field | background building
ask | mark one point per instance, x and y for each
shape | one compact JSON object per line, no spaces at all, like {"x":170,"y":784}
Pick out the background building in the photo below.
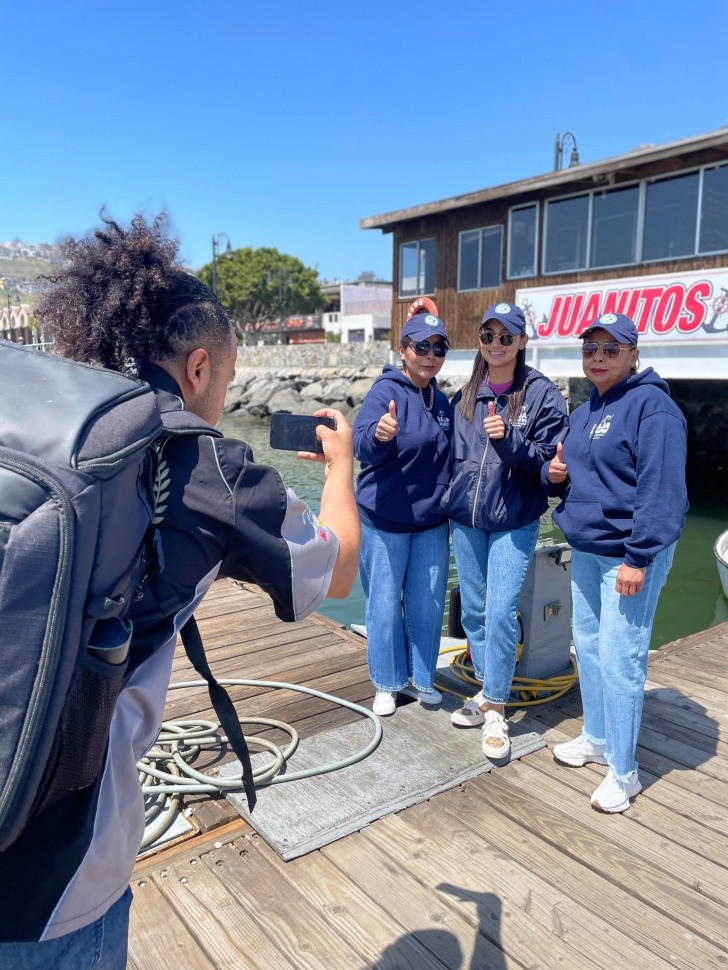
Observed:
{"x":644,"y":233}
{"x":359,"y":311}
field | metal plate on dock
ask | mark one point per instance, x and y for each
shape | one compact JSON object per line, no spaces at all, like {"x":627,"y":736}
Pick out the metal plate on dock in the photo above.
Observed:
{"x":421,"y":754}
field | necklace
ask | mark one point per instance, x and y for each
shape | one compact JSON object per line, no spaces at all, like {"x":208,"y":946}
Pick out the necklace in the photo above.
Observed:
{"x":427,"y":407}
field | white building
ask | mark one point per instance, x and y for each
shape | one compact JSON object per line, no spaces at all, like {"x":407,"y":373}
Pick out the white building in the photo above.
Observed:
{"x":361,"y":310}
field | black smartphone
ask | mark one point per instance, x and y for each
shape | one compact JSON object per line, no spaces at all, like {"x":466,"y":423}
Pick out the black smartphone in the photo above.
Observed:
{"x":297,"y":432}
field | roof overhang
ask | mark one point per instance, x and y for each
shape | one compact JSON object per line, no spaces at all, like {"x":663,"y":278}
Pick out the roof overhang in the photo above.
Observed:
{"x":644,"y":155}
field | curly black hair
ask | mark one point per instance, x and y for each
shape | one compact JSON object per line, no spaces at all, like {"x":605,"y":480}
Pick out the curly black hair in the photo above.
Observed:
{"x":123,"y":299}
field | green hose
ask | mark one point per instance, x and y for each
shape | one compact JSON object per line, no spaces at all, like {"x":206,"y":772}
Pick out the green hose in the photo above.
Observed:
{"x":165,"y":770}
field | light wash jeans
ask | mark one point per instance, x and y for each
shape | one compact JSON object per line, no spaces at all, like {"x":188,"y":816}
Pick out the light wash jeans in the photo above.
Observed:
{"x":99,"y":946}
{"x":491,"y":569}
{"x":612,"y":640}
{"x":404,"y":575}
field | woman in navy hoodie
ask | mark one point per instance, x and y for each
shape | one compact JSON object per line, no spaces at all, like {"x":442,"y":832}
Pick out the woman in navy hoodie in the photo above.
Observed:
{"x":621,"y":471}
{"x":507,"y":420}
{"x":402,"y":439}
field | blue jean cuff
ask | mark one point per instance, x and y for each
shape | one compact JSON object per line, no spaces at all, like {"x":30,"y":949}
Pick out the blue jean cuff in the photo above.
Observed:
{"x":394,"y":689}
{"x":593,"y":740}
{"x":623,"y":778}
{"x":495,"y":700}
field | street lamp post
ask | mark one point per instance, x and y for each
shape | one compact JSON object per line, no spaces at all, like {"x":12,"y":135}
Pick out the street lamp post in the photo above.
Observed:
{"x":561,"y":142}
{"x":289,"y":281}
{"x":216,"y":241}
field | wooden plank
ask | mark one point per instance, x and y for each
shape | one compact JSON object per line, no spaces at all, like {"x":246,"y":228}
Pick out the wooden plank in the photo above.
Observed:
{"x":711,"y":792}
{"x":284,"y":916}
{"x":590,"y":838}
{"x":679,"y":815}
{"x":448,"y":935}
{"x":236,"y":828}
{"x":675,"y":708}
{"x":227,"y":933}
{"x":551,"y":781}
{"x":467,"y":870}
{"x":157,"y":935}
{"x":353,"y":914}
{"x":546,"y":844}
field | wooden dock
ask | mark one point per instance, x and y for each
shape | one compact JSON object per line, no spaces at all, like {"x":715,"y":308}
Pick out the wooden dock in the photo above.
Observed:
{"x":511,"y":869}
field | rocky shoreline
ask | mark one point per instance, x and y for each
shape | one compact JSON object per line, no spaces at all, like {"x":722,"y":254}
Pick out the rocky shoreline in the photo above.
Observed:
{"x":258,"y":392}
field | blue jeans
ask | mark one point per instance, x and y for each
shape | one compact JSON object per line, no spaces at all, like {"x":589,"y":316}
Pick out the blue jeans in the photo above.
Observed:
{"x":489,"y":608}
{"x":612,"y":640}
{"x":404,"y":575}
{"x":99,"y":946}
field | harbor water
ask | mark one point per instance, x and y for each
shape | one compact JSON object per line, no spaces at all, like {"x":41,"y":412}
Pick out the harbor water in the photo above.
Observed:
{"x":692,"y":600}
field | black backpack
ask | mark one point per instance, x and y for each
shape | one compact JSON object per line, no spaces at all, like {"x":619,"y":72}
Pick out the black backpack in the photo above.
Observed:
{"x":76,"y":539}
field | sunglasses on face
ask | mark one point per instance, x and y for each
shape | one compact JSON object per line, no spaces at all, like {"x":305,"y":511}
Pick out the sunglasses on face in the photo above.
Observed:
{"x":486,"y":337}
{"x":423,"y":347}
{"x":610,"y":350}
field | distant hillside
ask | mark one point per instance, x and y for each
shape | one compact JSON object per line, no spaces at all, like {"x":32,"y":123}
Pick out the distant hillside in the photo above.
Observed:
{"x":23,"y":267}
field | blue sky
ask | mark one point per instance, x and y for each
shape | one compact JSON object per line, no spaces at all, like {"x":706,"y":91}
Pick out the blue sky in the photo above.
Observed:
{"x":284,"y":124}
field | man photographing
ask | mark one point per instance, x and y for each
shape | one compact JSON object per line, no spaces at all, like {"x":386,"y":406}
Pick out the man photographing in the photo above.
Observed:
{"x":123,"y":301}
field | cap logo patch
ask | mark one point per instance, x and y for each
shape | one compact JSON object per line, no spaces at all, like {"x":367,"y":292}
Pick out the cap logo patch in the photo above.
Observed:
{"x":503,"y":308}
{"x":608,"y":318}
{"x":431,"y":321}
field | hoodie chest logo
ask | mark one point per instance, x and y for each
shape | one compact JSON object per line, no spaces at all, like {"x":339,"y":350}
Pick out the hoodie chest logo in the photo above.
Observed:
{"x":443,"y":420}
{"x":600,"y":429}
{"x":520,"y":421}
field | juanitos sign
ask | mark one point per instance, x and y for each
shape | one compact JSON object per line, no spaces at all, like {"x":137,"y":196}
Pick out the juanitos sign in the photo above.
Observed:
{"x":677,"y":306}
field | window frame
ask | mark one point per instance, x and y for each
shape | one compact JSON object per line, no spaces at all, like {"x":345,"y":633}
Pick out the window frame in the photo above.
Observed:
{"x":516,"y":208}
{"x":480,"y":230}
{"x":642,"y":185}
{"x":409,"y":242}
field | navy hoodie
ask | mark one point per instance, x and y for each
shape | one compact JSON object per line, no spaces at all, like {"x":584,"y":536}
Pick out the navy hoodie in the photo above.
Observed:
{"x":496,"y":483}
{"x":625,"y":496}
{"x":402,"y":482}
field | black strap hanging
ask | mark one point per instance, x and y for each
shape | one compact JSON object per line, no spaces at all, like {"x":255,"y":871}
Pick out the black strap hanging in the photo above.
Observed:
{"x":222,"y":704}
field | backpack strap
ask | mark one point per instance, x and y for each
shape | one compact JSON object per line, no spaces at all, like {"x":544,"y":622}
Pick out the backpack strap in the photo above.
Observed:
{"x":222,"y":704}
{"x":177,"y":424}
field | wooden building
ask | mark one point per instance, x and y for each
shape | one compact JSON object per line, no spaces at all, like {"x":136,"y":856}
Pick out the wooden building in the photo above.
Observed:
{"x":645,"y":233}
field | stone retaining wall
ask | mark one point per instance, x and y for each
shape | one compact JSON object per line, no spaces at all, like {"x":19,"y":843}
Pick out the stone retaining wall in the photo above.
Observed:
{"x":303,"y":379}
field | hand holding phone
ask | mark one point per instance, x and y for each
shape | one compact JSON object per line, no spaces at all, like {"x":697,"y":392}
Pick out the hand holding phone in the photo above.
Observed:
{"x":297,"y":432}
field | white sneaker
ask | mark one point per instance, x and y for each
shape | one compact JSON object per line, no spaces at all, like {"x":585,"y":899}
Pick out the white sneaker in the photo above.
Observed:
{"x":470,"y":714}
{"x":613,"y":795}
{"x":385,"y":702}
{"x":579,"y":752}
{"x":496,"y":743}
{"x":423,"y":696}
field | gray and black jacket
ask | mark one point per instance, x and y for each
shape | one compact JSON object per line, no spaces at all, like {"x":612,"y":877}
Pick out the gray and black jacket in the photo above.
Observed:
{"x":224,"y":516}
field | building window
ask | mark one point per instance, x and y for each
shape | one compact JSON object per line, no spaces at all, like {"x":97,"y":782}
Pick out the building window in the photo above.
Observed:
{"x":417,"y":268}
{"x":614,"y":227}
{"x":671,"y":210}
{"x":480,"y":252}
{"x":567,"y":233}
{"x":522,"y":236}
{"x":714,"y":211}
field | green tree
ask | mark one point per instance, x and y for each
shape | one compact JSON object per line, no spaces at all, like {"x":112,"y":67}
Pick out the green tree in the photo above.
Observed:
{"x":262,"y":284}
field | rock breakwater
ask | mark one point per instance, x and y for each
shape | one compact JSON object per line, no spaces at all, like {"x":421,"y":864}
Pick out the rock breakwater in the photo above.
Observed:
{"x":257,"y":392}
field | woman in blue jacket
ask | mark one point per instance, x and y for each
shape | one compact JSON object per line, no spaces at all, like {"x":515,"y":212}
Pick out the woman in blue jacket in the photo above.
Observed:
{"x":506,"y":421}
{"x":621,"y":471}
{"x":402,"y":439}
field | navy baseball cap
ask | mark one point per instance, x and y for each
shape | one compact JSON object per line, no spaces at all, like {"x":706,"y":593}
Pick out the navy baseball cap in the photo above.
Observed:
{"x":424,"y":325}
{"x":510,"y":315}
{"x":617,"y":325}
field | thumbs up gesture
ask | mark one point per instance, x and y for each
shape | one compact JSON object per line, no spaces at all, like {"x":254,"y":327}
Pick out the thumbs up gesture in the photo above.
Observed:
{"x":388,"y":425}
{"x":558,"y":472}
{"x":494,"y":425}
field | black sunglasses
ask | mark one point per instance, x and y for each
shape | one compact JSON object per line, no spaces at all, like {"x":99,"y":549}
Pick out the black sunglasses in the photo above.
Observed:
{"x":610,"y":350}
{"x":486,"y":337}
{"x":423,"y":347}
